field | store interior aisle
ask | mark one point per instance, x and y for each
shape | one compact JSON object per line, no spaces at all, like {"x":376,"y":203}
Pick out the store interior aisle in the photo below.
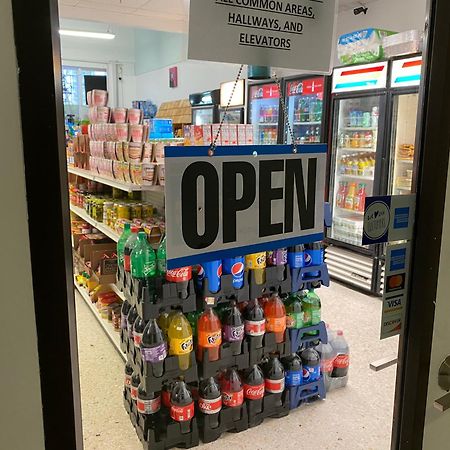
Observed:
{"x":358,"y":417}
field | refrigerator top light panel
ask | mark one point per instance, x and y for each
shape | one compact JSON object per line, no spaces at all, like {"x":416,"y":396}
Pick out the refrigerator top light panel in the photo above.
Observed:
{"x":406,"y":72}
{"x":312,"y":86}
{"x":264,"y":91}
{"x":360,"y":78}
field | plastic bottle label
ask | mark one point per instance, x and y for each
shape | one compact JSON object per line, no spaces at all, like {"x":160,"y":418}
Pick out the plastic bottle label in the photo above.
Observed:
{"x":276,"y":324}
{"x":137,"y":339}
{"x":209,"y":339}
{"x":207,"y":406}
{"x":154,"y":354}
{"x":256,"y":261}
{"x":342,"y":361}
{"x":134,"y":393}
{"x":327,"y":365}
{"x":233,"y":399}
{"x":149,"y":406}
{"x":315,"y":316}
{"x":255,"y":328}
{"x":254,"y":392}
{"x":296,"y":260}
{"x":294,"y":320}
{"x":274,"y":386}
{"x":179,"y":275}
{"x":127,"y":263}
{"x":149,"y":269}
{"x":182,"y":413}
{"x":233,"y":334}
{"x":294,"y":378}
{"x":310,"y":374}
{"x":181,"y":346}
{"x":127,"y":381}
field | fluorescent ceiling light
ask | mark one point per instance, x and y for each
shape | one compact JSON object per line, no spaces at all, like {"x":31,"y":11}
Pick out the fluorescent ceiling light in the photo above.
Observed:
{"x":87,"y":34}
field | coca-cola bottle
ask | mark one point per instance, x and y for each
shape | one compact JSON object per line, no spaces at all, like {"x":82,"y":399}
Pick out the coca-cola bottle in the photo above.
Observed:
{"x":182,"y":406}
{"x":233,"y":328}
{"x":255,"y":323}
{"x":181,"y":276}
{"x":132,"y":316}
{"x":124,"y":315}
{"x":232,"y":392}
{"x":254,"y":387}
{"x":274,"y":376}
{"x":135,"y":382}
{"x":128,"y":375}
{"x":210,"y":401}
{"x":138,"y":331}
{"x":154,"y":347}
{"x":148,"y":404}
{"x":166,"y":393}
{"x":294,"y":370}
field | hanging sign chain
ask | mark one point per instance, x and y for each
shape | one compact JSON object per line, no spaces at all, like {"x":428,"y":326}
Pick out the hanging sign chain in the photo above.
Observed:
{"x":225,"y":115}
{"x":286,"y":115}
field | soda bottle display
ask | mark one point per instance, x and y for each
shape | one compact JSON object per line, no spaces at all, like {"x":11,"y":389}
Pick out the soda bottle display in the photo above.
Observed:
{"x":342,"y":361}
{"x":296,"y":256}
{"x":274,"y":376}
{"x":132,"y":316}
{"x":311,"y":365}
{"x":154,"y":347}
{"x":254,"y":387}
{"x":128,"y":248}
{"x":213,"y":272}
{"x":294,"y":312}
{"x":124,"y":315}
{"x":278,"y":258}
{"x":128,"y":375}
{"x":161,"y":258}
{"x":256,"y":262}
{"x":232,"y":392}
{"x":294,"y":370}
{"x":275,"y":313}
{"x":255,"y":323}
{"x":182,"y":406}
{"x":135,"y":382}
{"x":182,"y":276}
{"x":180,"y":339}
{"x":121,"y":245}
{"x":209,"y":335}
{"x":138,"y":331}
{"x":312,"y":309}
{"x":148,"y":404}
{"x":210,"y":400}
{"x":233,"y":328}
{"x":236,"y":267}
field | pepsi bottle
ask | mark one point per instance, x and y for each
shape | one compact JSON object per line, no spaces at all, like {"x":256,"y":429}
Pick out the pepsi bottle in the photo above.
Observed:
{"x":182,"y":406}
{"x":311,"y":365}
{"x":314,"y":257}
{"x":255,"y":324}
{"x":235,"y":267}
{"x":213,"y":273}
{"x":210,"y":401}
{"x":233,"y":328}
{"x":254,"y":388}
{"x":294,"y":370}
{"x":296,"y":257}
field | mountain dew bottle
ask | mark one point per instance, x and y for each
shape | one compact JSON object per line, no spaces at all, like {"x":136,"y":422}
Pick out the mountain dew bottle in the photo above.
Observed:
{"x":294,"y":311}
{"x":143,"y":259}
{"x":312,"y":309}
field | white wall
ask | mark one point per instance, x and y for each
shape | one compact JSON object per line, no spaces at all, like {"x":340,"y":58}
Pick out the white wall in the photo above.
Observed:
{"x":20,"y":392}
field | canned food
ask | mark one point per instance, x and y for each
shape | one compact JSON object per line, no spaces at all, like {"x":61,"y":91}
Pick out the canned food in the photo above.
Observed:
{"x":147,"y":211}
{"x":123,"y":211}
{"x":136,"y":211}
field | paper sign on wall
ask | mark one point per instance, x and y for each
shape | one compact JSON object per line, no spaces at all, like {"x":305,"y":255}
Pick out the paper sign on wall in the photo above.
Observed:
{"x":278,"y":33}
{"x":242,"y":200}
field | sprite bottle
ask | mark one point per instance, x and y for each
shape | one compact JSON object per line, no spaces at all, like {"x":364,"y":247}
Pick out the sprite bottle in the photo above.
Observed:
{"x":161,"y":258}
{"x":294,"y":312}
{"x":312,"y":310}
{"x":121,"y":245}
{"x":143,"y":259}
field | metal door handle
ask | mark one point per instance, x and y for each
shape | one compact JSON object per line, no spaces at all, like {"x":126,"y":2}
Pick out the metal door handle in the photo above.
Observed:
{"x":443,"y":403}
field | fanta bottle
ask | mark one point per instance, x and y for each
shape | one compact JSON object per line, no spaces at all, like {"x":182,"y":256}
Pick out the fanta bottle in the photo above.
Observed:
{"x":275,"y":313}
{"x":209,"y":331}
{"x":180,"y":339}
{"x":257,"y":263}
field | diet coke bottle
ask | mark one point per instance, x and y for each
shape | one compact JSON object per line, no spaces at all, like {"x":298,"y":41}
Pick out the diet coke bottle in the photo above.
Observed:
{"x":274,"y":378}
{"x":255,"y":324}
{"x":210,"y":401}
{"x":254,"y":388}
{"x":182,"y":406}
{"x":182,"y":276}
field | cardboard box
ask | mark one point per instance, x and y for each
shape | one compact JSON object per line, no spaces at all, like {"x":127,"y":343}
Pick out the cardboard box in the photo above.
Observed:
{"x":187,"y":135}
{"x":198,"y":135}
{"x":242,"y":140}
{"x":215,"y":129}
{"x":207,"y":135}
{"x":249,"y":134}
{"x":233,"y":134}
{"x":225,"y":134}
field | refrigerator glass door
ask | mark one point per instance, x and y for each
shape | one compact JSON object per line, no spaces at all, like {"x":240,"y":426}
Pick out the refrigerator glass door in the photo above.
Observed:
{"x":404,"y":119}
{"x":203,"y":116}
{"x":234,"y":116}
{"x":304,"y":101}
{"x":264,"y":101}
{"x":353,"y":165}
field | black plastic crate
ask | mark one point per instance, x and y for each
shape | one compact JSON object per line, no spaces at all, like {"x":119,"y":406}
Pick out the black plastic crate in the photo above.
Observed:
{"x":277,"y":281}
{"x":271,"y":405}
{"x":257,"y":355}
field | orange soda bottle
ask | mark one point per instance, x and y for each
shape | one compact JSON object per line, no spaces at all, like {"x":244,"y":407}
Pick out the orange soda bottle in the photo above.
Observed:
{"x":209,"y":331}
{"x":275,"y":313}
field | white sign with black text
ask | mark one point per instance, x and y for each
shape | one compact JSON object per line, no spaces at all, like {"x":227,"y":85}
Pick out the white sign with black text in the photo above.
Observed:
{"x":242,"y":200}
{"x":278,"y":33}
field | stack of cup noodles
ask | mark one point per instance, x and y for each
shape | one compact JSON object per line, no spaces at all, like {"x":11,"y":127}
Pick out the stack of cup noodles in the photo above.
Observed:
{"x":119,"y":147}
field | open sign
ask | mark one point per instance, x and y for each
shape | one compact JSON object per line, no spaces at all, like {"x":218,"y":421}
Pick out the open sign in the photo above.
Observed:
{"x":242,"y":200}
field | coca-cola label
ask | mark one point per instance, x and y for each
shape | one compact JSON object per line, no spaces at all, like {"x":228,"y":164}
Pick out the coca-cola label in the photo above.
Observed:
{"x":233,"y":399}
{"x":254,"y":392}
{"x":154,"y":354}
{"x":255,"y":327}
{"x":149,"y":406}
{"x":137,"y":338}
{"x":342,"y":361}
{"x":182,"y":413}
{"x":127,"y":381}
{"x":233,"y":334}
{"x":207,"y":406}
{"x":178,"y":275}
{"x":134,"y":393}
{"x":294,"y":378}
{"x":274,"y":386}
{"x":327,"y":365}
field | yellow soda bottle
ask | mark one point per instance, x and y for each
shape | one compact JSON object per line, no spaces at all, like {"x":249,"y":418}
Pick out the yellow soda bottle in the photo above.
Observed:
{"x":180,"y":339}
{"x":257,"y":263}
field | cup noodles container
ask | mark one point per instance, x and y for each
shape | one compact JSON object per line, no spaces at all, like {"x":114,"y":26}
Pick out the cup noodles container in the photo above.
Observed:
{"x":233,"y":134}
{"x":136,"y":173}
{"x":215,"y":129}
{"x":122,"y":132}
{"x":158,"y":152}
{"x":198,"y":135}
{"x":161,"y":175}
{"x":117,"y":171}
{"x":225,"y":134}
{"x":137,"y":133}
{"x":249,"y":134}
{"x":187,"y":135}
{"x":119,"y":151}
{"x":126,"y":151}
{"x":242,"y":140}
{"x":119,"y":115}
{"x":92,"y":114}
{"x":135,"y":151}
{"x":134,"y":116}
{"x":98,"y":97}
{"x":103,"y":113}
{"x":148,"y":174}
{"x":126,"y":172}
{"x":147,"y":154}
{"x":207,"y":135}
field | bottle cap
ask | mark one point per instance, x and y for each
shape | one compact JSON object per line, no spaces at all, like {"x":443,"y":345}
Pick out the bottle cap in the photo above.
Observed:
{"x":340,"y":333}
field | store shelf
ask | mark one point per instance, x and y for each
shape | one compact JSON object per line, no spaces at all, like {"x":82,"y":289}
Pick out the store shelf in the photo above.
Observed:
{"x":308,"y":123}
{"x":359,"y":128}
{"x":355,"y":177}
{"x":81,"y":213}
{"x":127,"y":187}
{"x":268,"y":124}
{"x":357,"y":149}
{"x":349,"y":211}
{"x":107,"y":327}
{"x":168,"y":140}
{"x":118,"y":292}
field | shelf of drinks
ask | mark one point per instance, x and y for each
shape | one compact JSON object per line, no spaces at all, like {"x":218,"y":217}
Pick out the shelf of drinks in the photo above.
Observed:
{"x":361,"y":128}
{"x":356,"y":177}
{"x":308,"y":123}
{"x":127,"y":187}
{"x":107,"y":231}
{"x":342,"y":237}
{"x":268,"y":124}
{"x":357,"y":149}
{"x":113,"y":336}
{"x":349,"y":211}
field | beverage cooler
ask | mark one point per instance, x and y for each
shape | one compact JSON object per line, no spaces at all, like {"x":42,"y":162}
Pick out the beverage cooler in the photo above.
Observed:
{"x":307,"y":109}
{"x":232,"y":94}
{"x":205,"y":107}
{"x":235,"y":116}
{"x":264,"y":112}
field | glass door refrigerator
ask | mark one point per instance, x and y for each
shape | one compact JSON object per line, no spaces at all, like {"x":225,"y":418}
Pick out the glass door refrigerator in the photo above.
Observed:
{"x":307,"y":109}
{"x":205,"y":107}
{"x":264,"y":112}
{"x":359,"y":99}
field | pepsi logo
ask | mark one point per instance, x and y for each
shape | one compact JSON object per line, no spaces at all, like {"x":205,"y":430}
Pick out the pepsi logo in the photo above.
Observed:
{"x":308,"y":259}
{"x":200,"y":271}
{"x":306,"y":374}
{"x":237,"y":269}
{"x":219,"y":271}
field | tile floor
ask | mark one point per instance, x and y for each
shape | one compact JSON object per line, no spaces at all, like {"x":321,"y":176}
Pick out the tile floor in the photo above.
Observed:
{"x":358,"y":417}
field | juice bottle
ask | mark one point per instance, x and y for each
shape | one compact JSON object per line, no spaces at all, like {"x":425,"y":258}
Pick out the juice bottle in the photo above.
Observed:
{"x":361,"y":167}
{"x":349,"y":199}
{"x":209,"y":331}
{"x":275,"y":313}
{"x":360,"y":199}
{"x":180,"y":339}
{"x":355,"y":166}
